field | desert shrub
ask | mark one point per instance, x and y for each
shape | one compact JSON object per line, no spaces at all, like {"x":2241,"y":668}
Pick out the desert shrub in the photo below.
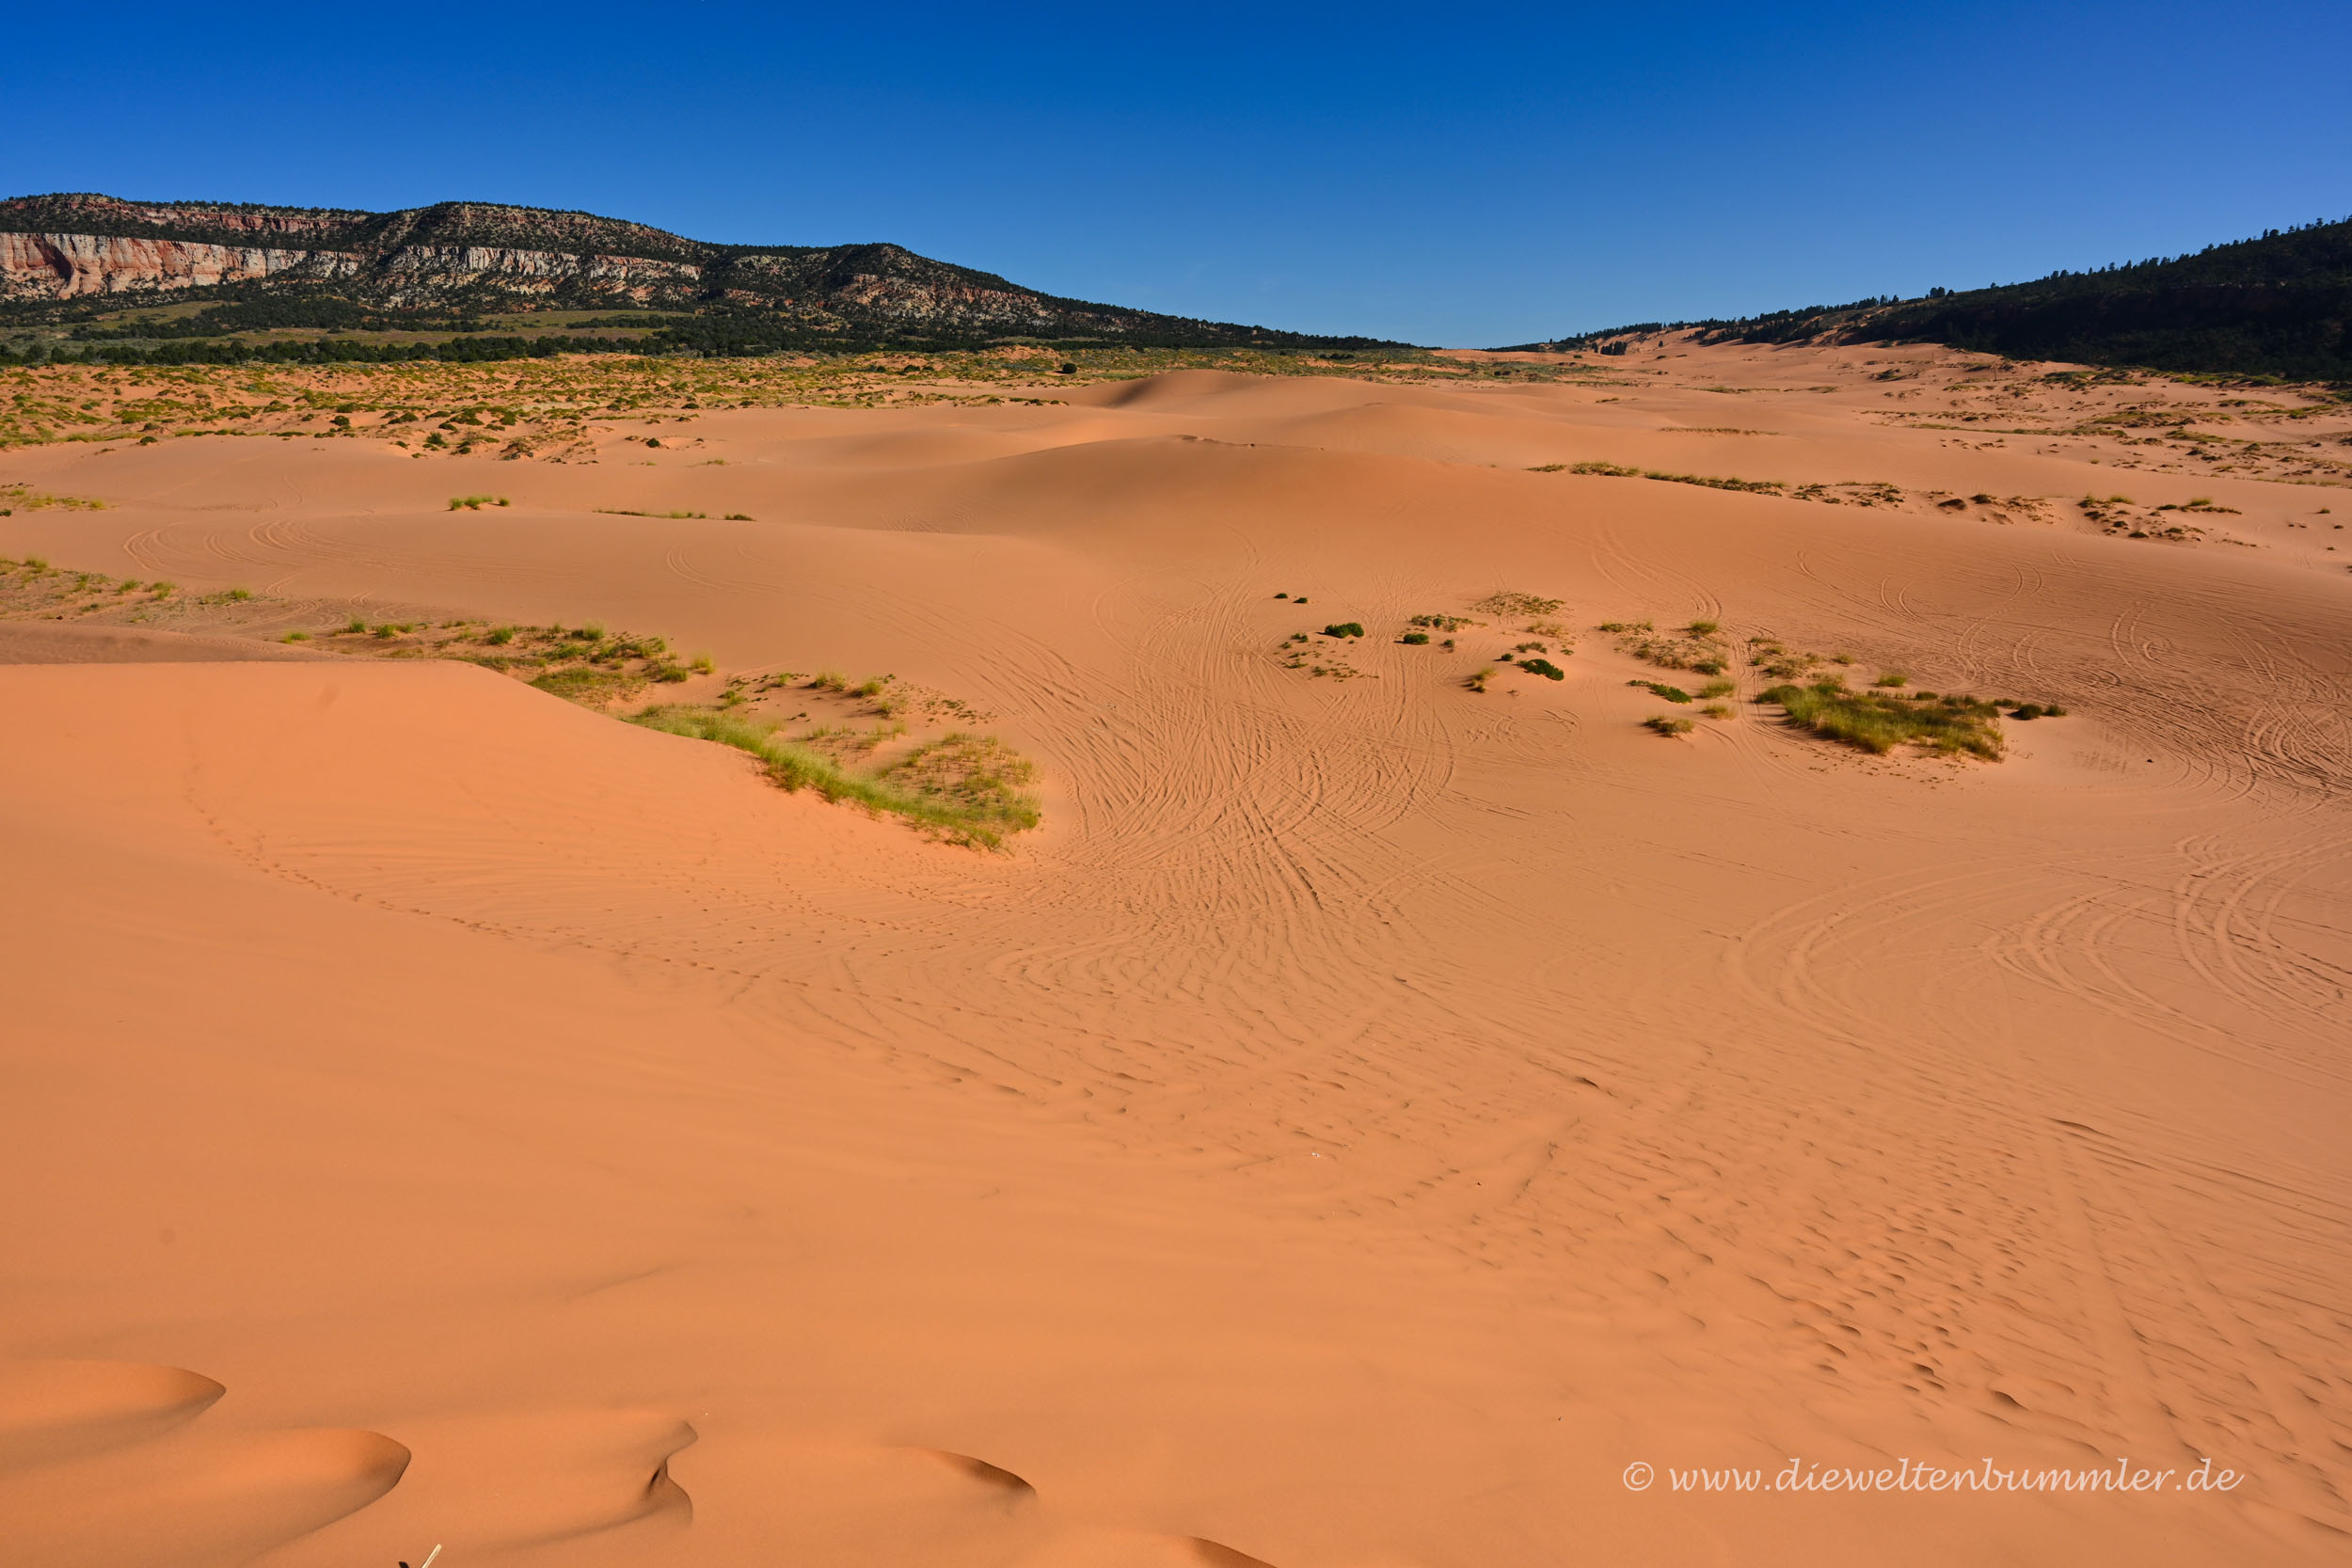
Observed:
{"x":498,"y":637}
{"x":1893,"y":677}
{"x":870,"y":687}
{"x":1545,"y":667}
{"x":474,"y":503}
{"x":828,"y":680}
{"x":1666,"y":726}
{"x":1717,"y":689}
{"x":1656,"y":689}
{"x":1880,"y":721}
{"x":1621,"y":626}
{"x":1345,"y":628}
{"x":1440,"y":622}
{"x":1479,"y":677}
{"x":1416,"y":639}
{"x":1703,"y":629}
{"x":296,"y":637}
{"x":1716,"y":710}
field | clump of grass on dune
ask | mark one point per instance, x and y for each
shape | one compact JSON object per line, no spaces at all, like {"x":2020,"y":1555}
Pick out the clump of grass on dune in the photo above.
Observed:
{"x":1618,"y":470}
{"x":1507,"y":601}
{"x":968,"y":788}
{"x":1879,"y":720}
{"x":24,"y":496}
{"x":590,"y":687}
{"x":977,"y":776}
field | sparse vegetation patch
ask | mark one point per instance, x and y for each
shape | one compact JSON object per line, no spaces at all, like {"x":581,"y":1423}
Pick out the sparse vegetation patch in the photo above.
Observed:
{"x":967,"y":789}
{"x":1878,"y":721}
{"x":24,"y":497}
{"x":1510,"y":602}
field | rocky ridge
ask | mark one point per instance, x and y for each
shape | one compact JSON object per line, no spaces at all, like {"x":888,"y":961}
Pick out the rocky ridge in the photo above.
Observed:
{"x":69,"y":256}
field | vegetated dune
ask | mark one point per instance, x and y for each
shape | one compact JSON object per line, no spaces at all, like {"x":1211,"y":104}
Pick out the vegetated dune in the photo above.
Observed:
{"x":1367,"y":1118}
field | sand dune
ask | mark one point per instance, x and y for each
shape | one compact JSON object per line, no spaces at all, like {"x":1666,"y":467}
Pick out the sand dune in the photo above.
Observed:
{"x":1364,"y":1119}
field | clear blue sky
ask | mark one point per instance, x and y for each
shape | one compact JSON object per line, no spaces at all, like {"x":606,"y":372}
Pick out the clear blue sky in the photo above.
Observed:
{"x":1470,"y":175}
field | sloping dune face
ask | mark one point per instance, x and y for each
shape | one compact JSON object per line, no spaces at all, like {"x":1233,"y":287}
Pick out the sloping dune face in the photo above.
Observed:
{"x":1374,"y":1123}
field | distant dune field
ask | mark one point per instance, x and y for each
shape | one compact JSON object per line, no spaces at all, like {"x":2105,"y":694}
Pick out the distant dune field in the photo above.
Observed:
{"x":1393,"y":1094}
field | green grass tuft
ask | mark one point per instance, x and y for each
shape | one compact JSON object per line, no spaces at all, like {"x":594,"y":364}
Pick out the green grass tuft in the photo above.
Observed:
{"x":1879,"y":723}
{"x":1510,"y":601}
{"x":968,"y":788}
{"x":1616,"y":470}
{"x":589,"y":687}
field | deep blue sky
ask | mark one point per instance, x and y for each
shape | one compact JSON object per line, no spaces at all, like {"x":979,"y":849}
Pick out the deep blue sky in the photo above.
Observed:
{"x":1469,"y":175}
